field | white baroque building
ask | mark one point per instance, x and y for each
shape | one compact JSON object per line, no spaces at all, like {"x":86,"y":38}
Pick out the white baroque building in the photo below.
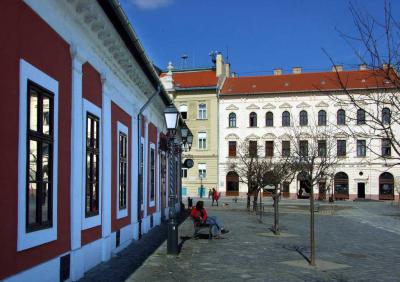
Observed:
{"x":268,"y":109}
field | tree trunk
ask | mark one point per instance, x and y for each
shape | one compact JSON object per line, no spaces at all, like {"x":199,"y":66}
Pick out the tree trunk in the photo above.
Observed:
{"x":255,"y":194}
{"x":248,"y":201}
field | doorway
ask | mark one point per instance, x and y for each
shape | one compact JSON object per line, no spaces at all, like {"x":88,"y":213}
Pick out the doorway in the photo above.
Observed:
{"x":361,"y":190}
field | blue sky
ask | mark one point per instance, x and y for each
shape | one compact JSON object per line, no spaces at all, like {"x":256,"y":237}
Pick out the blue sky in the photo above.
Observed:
{"x":257,"y":35}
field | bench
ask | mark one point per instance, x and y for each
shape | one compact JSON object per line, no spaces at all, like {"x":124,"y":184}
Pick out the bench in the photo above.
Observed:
{"x":198,"y":226}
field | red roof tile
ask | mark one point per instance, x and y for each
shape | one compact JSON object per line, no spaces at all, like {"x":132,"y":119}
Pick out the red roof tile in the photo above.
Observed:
{"x":304,"y":82}
{"x":192,"y":79}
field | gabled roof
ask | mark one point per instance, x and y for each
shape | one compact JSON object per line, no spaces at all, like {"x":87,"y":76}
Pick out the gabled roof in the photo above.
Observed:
{"x":321,"y":81}
{"x":194,"y":79}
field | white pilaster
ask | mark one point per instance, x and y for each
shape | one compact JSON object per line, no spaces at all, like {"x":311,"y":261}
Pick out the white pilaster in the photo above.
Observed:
{"x":146,"y":167}
{"x":76,"y":161}
{"x":107,"y":166}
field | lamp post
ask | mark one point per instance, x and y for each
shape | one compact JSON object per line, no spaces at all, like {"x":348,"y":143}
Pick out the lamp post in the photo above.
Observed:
{"x":171,"y":119}
{"x":275,"y":196}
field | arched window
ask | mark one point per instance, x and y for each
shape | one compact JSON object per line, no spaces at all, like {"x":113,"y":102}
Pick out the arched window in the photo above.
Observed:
{"x":285,"y":118}
{"x":360,"y":116}
{"x":386,"y":116}
{"x":341,"y":117}
{"x":269,"y":119}
{"x":341,"y":182}
{"x":232,"y":184}
{"x":304,"y":185}
{"x":232,"y":120}
{"x":253,"y":119}
{"x":321,"y":117}
{"x":303,"y":118}
{"x":386,"y":183}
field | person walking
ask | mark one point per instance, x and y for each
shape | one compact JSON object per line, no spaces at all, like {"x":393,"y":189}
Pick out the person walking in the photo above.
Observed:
{"x":215,"y":197}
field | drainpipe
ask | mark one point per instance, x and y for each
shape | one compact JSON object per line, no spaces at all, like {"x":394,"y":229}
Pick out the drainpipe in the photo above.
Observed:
{"x":140,"y":191}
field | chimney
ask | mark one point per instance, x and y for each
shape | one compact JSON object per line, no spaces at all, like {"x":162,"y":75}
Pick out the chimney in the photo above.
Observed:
{"x":277,"y":71}
{"x":337,"y":68}
{"x":220,"y":66}
{"x":363,"y":67}
{"x":296,"y":70}
{"x":228,"y":69}
{"x":385,"y":66}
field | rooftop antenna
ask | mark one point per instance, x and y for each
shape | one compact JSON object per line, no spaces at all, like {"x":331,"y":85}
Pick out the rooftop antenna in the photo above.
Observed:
{"x":184,"y":58}
{"x":213,"y":55}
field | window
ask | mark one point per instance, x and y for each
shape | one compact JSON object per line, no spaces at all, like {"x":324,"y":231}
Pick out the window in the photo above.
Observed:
{"x":341,"y":148}
{"x":92,"y":166}
{"x":232,"y":120}
{"x":321,"y":118}
{"x":202,"y":111}
{"x":303,"y":146}
{"x":123,"y":175}
{"x":184,"y":172}
{"x":361,"y":148}
{"x":183,"y":110}
{"x":269,"y":148}
{"x":321,"y":148}
{"x":153,"y":172}
{"x":360,"y":117}
{"x":285,"y":118}
{"x":386,"y":116}
{"x":122,"y":169}
{"x":341,"y":117}
{"x":252,"y":149}
{"x":202,"y":171}
{"x":202,"y":140}
{"x":232,"y":148}
{"x":39,"y":158}
{"x":303,"y":118}
{"x":253,"y":119}
{"x":285,"y":148}
{"x":269,"y":119}
{"x":386,"y":147}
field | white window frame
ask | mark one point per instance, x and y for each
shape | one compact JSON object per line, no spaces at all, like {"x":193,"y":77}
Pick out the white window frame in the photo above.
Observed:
{"x":152,"y":203}
{"x":203,"y":112}
{"x":202,"y":135}
{"x":122,"y":128}
{"x":183,"y":108}
{"x":92,"y":221}
{"x":184,"y":169}
{"x":202,"y":166}
{"x":26,"y":240}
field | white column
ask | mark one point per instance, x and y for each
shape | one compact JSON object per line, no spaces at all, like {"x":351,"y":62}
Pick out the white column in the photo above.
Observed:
{"x":134,"y":162}
{"x":77,"y":179}
{"x":145,"y":168}
{"x":107,"y":167}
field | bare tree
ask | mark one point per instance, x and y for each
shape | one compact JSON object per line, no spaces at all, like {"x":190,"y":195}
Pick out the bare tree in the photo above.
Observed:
{"x":376,"y":44}
{"x":315,"y":157}
{"x":251,"y":168}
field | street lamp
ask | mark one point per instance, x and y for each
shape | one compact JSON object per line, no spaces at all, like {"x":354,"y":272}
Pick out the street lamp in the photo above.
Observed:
{"x":171,"y":120}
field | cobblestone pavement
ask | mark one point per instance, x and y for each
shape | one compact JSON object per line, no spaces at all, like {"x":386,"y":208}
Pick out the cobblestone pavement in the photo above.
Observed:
{"x":356,"y":241}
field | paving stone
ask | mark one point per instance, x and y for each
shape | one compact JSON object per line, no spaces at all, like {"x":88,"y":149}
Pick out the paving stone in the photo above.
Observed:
{"x":359,"y":241}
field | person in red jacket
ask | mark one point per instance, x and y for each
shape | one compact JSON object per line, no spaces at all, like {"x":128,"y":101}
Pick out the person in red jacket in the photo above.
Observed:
{"x":199,"y":215}
{"x":215,"y":196}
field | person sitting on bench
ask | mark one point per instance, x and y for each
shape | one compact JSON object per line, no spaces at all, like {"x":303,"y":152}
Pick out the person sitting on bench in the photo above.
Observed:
{"x":199,"y":214}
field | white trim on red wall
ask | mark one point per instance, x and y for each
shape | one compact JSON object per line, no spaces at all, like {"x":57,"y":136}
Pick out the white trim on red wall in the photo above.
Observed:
{"x":124,"y":129}
{"x":25,"y":239}
{"x":89,"y":222}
